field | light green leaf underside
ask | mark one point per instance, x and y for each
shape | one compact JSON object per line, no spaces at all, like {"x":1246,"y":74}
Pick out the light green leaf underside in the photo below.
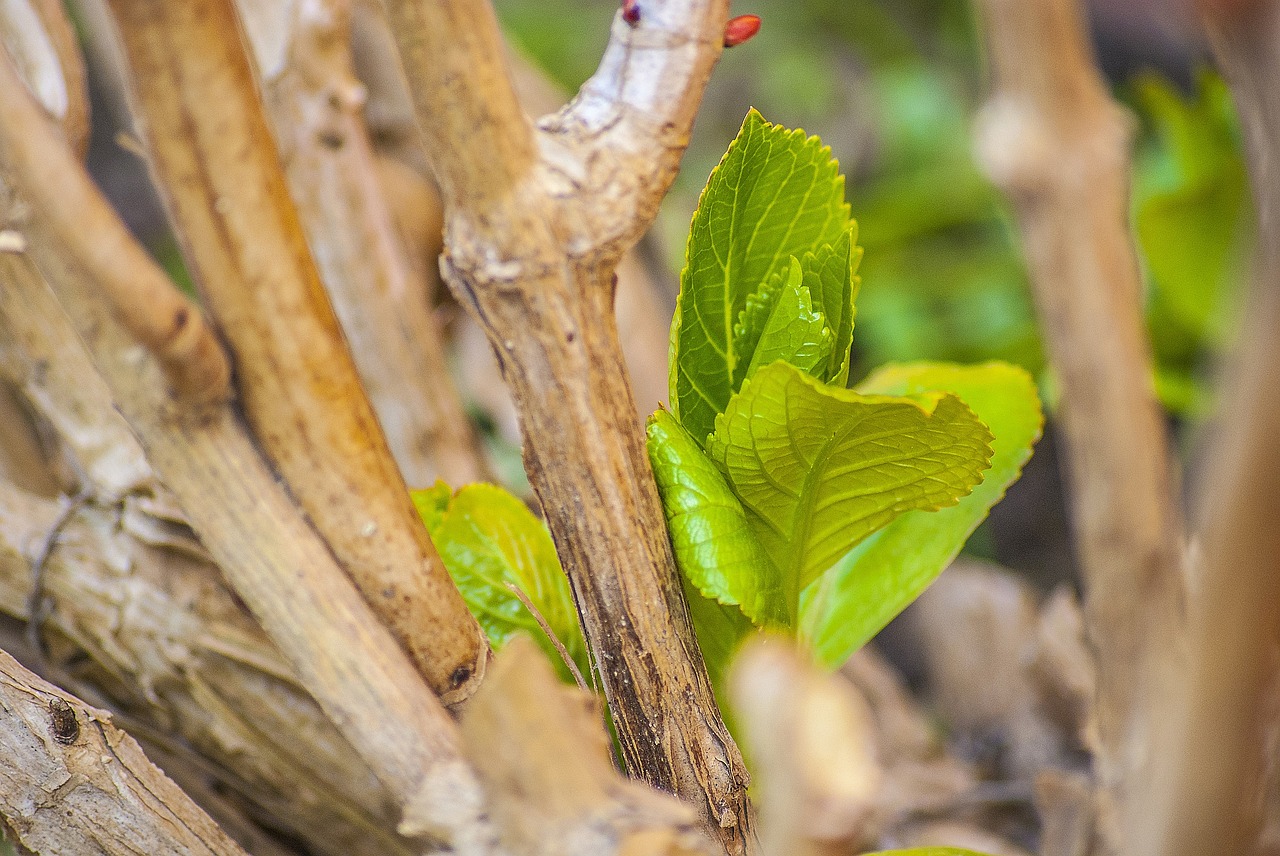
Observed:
{"x":820,"y":468}
{"x":829,"y":277}
{"x":489,"y":538}
{"x":775,"y":194}
{"x":714,"y":545}
{"x":720,"y":630}
{"x":779,"y":323}
{"x":880,"y":576}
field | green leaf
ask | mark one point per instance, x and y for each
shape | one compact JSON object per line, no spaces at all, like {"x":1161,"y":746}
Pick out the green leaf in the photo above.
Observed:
{"x":489,"y":538}
{"x":829,"y":277}
{"x":819,"y":468}
{"x":779,"y":323}
{"x":720,"y":630}
{"x":775,"y":194}
{"x":715,"y":547}
{"x":1194,"y":222}
{"x":880,"y":576}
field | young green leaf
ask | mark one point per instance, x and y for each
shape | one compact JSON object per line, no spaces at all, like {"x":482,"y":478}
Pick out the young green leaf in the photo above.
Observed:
{"x":829,"y":275}
{"x":880,"y":576}
{"x":715,"y":547}
{"x":776,"y":194}
{"x":489,"y":538}
{"x":819,"y":468}
{"x":779,"y":323}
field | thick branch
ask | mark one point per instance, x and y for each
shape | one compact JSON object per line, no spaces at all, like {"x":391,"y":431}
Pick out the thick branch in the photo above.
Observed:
{"x":215,"y":161}
{"x":531,"y":246}
{"x":1054,"y":141}
{"x":337,"y":648}
{"x":1203,"y":797}
{"x":74,"y":785}
{"x":314,"y":101}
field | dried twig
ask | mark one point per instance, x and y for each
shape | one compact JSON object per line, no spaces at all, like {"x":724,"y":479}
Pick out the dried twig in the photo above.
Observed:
{"x":536,"y":221}
{"x":314,"y":102}
{"x":120,"y":585}
{"x":212,"y":153}
{"x":543,"y":755}
{"x":144,"y":299}
{"x":43,"y":45}
{"x":1058,"y":146}
{"x":73,"y":784}
{"x":262,"y":543}
{"x":1204,"y":794}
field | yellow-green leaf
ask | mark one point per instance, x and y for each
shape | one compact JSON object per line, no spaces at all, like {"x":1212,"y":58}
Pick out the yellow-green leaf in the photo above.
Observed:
{"x":819,"y":468}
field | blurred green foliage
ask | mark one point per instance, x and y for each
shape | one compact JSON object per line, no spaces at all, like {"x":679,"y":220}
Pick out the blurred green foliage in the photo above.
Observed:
{"x":892,"y":86}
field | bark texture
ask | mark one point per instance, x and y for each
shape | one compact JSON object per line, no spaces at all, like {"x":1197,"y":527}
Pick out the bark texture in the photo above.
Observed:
{"x":264,"y":546}
{"x":536,"y":220}
{"x":541,"y":751}
{"x":73,"y":784}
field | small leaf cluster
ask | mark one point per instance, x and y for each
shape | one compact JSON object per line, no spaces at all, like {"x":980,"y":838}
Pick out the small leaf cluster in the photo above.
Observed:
{"x":491,"y":544}
{"x":772,"y":473}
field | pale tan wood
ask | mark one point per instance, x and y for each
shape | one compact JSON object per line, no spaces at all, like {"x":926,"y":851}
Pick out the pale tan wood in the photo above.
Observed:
{"x":42,"y":41}
{"x":1204,"y":794}
{"x":315,"y":105}
{"x":218,"y":169}
{"x":813,"y":742}
{"x":161,"y":318}
{"x":1053,"y":140}
{"x":264,"y":546}
{"x":535,"y":222}
{"x":173,"y":650}
{"x":542,"y":752}
{"x":72,"y":784}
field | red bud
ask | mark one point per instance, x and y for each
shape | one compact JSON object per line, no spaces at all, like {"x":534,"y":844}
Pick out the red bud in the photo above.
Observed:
{"x":631,"y":11}
{"x":740,"y":29}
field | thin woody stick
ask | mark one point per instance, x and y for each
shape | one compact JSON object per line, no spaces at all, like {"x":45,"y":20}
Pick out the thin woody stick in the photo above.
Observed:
{"x":216,"y":164}
{"x":314,"y":102}
{"x":1053,"y":140}
{"x":264,"y":546}
{"x":1204,"y":794}
{"x":143,"y":297}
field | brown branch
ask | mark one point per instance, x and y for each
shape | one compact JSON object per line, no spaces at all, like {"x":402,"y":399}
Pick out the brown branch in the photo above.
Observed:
{"x":1204,"y":794}
{"x":43,"y":47}
{"x":212,"y":153}
{"x":74,"y":785}
{"x":156,"y":313}
{"x":1053,"y":140}
{"x":264,"y":546}
{"x":314,"y":102}
{"x":535,"y":223}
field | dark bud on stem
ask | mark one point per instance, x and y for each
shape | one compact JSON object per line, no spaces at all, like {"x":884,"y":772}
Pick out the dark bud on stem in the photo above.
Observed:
{"x":740,"y":29}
